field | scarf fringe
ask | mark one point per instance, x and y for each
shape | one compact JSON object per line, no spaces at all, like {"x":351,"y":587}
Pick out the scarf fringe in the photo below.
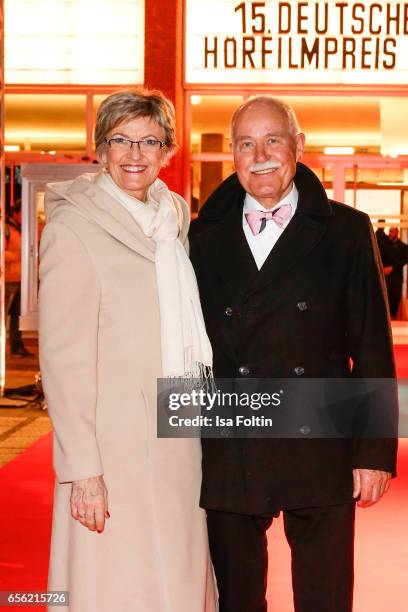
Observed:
{"x":198,"y":377}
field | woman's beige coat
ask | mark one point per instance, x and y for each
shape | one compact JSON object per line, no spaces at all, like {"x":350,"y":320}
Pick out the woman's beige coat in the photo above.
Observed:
{"x":100,"y":358}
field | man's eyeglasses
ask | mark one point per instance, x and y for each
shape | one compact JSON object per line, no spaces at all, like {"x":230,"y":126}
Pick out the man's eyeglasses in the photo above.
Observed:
{"x":148,"y":145}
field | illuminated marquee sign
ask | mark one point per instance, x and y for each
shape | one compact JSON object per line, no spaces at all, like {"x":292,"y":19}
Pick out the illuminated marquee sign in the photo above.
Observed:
{"x":228,"y":41}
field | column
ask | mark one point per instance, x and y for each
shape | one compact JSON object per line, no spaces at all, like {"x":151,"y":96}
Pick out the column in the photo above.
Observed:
{"x":338,"y":182}
{"x":2,"y":212}
{"x":164,"y":70}
{"x":211,"y":172}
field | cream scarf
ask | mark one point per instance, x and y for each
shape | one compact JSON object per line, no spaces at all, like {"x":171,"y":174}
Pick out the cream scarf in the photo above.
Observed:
{"x":185,"y":348}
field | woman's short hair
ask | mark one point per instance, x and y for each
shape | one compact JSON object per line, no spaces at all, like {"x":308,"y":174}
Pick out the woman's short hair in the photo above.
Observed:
{"x":126,"y":105}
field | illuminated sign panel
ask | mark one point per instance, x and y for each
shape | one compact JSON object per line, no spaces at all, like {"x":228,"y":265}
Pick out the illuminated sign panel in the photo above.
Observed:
{"x":228,"y":41}
{"x":74,"y":41}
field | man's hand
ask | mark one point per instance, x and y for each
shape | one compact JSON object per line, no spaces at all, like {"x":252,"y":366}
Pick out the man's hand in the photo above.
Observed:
{"x":370,"y":486}
{"x":89,"y":503}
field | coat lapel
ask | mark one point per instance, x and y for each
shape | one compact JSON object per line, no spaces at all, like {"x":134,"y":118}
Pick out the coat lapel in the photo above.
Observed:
{"x":230,"y":255}
{"x":306,"y":229}
{"x":304,"y":232}
{"x":299,"y":238}
{"x":104,"y":210}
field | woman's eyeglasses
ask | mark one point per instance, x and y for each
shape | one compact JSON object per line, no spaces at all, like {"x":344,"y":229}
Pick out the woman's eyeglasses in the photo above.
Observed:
{"x":148,"y":145}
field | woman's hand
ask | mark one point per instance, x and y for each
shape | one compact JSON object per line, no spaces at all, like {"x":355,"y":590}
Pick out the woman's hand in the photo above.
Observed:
{"x":89,"y":503}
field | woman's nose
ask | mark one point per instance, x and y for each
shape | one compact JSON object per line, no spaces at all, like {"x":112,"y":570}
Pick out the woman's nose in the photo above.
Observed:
{"x":134,"y":151}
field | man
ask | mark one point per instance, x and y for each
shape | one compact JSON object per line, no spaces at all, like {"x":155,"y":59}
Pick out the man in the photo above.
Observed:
{"x":13,"y":279}
{"x":399,"y":252}
{"x":295,"y":292}
{"x":385,"y":249}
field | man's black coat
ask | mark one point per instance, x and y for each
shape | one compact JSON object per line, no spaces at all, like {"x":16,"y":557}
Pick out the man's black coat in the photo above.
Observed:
{"x":316,"y":309}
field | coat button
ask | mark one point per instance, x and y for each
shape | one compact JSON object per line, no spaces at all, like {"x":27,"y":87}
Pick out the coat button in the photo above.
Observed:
{"x":228,"y":311}
{"x":243,"y":370}
{"x":302,"y":306}
{"x":225,"y":432}
{"x":299,"y":371}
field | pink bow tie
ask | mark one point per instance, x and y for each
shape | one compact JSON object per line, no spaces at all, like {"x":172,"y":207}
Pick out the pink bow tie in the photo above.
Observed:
{"x":257,"y":219}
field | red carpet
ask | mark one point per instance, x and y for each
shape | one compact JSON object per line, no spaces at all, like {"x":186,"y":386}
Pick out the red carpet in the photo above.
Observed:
{"x":26,"y":487}
{"x":381,"y":553}
{"x":381,"y":535}
{"x":401,"y":358}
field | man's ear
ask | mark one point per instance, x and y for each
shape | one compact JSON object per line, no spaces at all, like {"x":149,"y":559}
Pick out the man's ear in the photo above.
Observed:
{"x":300,"y":145}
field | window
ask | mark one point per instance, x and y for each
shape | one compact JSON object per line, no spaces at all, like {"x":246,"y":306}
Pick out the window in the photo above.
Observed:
{"x":74,"y":41}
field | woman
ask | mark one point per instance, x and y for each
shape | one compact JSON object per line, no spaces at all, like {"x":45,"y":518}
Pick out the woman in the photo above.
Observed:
{"x":118,"y":307}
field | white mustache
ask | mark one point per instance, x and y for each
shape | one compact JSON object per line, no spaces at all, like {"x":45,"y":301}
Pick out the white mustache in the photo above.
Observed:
{"x":268,"y":165}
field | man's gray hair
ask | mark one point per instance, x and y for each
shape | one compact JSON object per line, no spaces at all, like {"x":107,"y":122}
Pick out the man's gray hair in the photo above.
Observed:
{"x":280,"y":105}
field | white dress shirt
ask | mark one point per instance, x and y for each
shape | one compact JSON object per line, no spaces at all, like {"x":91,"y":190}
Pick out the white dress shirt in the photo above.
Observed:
{"x":262,"y":244}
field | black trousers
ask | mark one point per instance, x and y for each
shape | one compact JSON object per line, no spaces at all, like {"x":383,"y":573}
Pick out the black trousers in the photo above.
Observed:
{"x":13,"y":296}
{"x":322,"y":546}
{"x":394,"y":291}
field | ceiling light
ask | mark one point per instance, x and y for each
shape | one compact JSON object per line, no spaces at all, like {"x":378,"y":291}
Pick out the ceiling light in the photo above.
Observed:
{"x":400,"y":151}
{"x":196,"y":99}
{"x":338,"y":150}
{"x":11,"y":148}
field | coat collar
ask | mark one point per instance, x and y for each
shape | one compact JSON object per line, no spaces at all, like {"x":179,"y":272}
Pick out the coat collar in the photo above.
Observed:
{"x":86,"y":198}
{"x":299,"y":238}
{"x":222,"y":215}
{"x":229,"y":197}
{"x":232,"y":257}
